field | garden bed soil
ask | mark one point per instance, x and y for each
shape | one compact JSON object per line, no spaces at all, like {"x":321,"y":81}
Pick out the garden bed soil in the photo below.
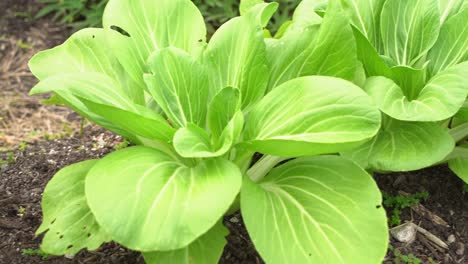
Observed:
{"x":24,"y":178}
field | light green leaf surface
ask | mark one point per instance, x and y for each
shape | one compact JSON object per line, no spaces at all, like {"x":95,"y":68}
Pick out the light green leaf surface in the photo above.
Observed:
{"x":322,"y":49}
{"x":449,"y":8}
{"x":409,"y":29}
{"x":365,"y":16}
{"x":237,"y":56}
{"x":440,"y":99}
{"x":322,"y":209}
{"x":86,"y":51}
{"x":463,"y":112}
{"x":146,"y":26}
{"x":452,"y":45}
{"x":460,"y":168}
{"x":205,"y":250}
{"x":404,"y":146}
{"x":327,"y":115}
{"x":246,"y":5}
{"x":147,"y":201}
{"x":222,"y":109}
{"x":180,"y":85}
{"x":67,"y":220}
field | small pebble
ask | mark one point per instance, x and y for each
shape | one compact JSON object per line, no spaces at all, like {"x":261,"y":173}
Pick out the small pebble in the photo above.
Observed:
{"x":460,"y":249}
{"x":451,"y":239}
{"x":52,"y":152}
{"x":52,"y":162}
{"x":405,"y":233}
{"x":234,"y":220}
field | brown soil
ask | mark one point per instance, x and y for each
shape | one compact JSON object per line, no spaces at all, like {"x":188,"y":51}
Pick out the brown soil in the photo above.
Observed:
{"x":24,"y":118}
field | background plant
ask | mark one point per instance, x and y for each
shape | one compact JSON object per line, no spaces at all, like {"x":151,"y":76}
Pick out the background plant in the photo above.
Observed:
{"x":197,"y":112}
{"x":88,"y":13}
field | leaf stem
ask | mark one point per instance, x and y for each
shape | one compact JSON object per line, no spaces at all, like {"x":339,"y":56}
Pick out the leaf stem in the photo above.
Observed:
{"x":263,"y":166}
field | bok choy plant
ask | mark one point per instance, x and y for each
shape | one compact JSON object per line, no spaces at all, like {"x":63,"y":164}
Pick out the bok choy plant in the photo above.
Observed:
{"x":197,"y":112}
{"x":415,"y":56}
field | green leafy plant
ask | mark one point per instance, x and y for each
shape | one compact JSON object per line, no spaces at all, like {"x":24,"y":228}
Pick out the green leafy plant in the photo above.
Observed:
{"x":197,"y":113}
{"x":399,"y":202}
{"x":35,"y":252}
{"x":414,"y":56}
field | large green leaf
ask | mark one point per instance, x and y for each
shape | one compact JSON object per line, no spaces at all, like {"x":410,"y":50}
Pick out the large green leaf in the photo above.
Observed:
{"x":67,"y":220}
{"x":84,"y":52}
{"x":303,"y":17}
{"x":365,"y":16}
{"x":409,"y":29}
{"x":237,"y":56}
{"x":135,"y":29}
{"x":180,"y":85}
{"x":205,"y":250}
{"x":452,"y":45}
{"x":312,"y":115}
{"x":321,"y":49}
{"x":322,"y":209}
{"x":404,"y":146}
{"x":440,"y":99}
{"x":147,"y":201}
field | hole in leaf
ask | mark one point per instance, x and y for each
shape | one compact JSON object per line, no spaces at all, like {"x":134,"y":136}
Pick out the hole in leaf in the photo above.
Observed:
{"x":89,"y":234}
{"x":378,"y":206}
{"x":200,"y":40}
{"x":53,"y":221}
{"x":69,"y":246}
{"x":120,"y":30}
{"x":61,"y":236}
{"x":84,"y":227}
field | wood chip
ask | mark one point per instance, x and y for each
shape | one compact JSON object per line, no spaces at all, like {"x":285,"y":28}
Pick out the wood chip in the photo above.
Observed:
{"x":426,"y":213}
{"x":431,"y":237}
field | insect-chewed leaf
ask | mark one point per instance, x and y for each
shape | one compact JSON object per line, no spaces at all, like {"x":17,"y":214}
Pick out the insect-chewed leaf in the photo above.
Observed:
{"x":404,"y":146}
{"x":148,"y":201}
{"x":180,"y":86}
{"x":312,"y":115}
{"x":322,"y":209}
{"x":321,"y":49}
{"x":440,"y":99}
{"x":452,"y":45}
{"x":409,"y":29}
{"x":207,"y":249}
{"x":68,"y":222}
{"x":135,"y":29}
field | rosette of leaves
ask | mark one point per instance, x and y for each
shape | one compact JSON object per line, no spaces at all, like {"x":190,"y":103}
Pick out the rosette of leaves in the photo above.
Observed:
{"x":197,"y":113}
{"x":415,"y":56}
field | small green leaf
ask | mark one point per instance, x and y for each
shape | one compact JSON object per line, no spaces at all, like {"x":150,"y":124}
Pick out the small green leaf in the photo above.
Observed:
{"x":247,"y":5}
{"x":322,"y":209}
{"x":404,"y":146}
{"x":207,"y":249}
{"x":312,"y":115}
{"x":147,"y":201}
{"x":222,"y":109}
{"x":440,"y":99}
{"x":409,"y":29}
{"x":67,"y":220}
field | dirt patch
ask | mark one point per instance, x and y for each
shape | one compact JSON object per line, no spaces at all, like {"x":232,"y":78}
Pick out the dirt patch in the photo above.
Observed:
{"x":24,"y":118}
